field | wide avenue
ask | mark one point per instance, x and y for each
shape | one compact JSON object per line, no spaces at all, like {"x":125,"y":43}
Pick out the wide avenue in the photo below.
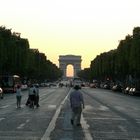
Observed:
{"x":107,"y":115}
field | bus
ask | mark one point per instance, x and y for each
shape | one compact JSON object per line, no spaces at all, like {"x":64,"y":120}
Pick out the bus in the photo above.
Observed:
{"x":9,"y":83}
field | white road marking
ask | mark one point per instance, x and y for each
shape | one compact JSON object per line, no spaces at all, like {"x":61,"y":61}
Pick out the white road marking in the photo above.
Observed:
{"x":85,"y":127}
{"x":138,"y":120}
{"x":27,"y":121}
{"x":52,"y":106}
{"x":103,"y":108}
{"x":119,"y":108}
{"x":122,"y":128}
{"x":4,"y":106}
{"x":122,"y":119}
{"x":51,"y":126}
{"x":23,"y":124}
{"x":66,"y":139}
{"x":88,"y":107}
{"x":2,"y":119}
{"x":22,"y":106}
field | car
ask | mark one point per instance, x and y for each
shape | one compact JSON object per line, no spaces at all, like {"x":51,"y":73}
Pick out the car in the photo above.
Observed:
{"x":1,"y":93}
{"x":92,"y":85}
{"x":126,"y":90}
{"x":134,"y":91}
{"x":106,"y":86}
{"x":117,"y":87}
{"x":24,"y":87}
{"x":77,"y":82}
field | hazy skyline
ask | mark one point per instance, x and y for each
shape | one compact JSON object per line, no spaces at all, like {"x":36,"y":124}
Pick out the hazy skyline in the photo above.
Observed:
{"x":77,"y":27}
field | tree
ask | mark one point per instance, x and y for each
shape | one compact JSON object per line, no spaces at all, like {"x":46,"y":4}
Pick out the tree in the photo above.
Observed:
{"x":16,"y":57}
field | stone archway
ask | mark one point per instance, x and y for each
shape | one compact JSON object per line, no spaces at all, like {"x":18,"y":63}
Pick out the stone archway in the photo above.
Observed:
{"x":74,"y":60}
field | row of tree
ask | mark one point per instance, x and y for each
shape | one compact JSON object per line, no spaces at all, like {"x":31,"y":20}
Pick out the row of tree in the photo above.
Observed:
{"x":121,"y":64}
{"x":16,"y":57}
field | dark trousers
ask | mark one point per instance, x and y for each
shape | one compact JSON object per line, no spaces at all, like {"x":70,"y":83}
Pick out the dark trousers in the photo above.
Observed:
{"x":32,"y":100}
{"x":18,"y":101}
{"x":37,"y":100}
{"x":76,"y":114}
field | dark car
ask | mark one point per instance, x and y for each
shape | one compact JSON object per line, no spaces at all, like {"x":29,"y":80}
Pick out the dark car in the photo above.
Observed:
{"x":1,"y":93}
{"x":126,"y":90}
{"x":134,"y":91}
{"x":106,"y":86}
{"x":117,"y":87}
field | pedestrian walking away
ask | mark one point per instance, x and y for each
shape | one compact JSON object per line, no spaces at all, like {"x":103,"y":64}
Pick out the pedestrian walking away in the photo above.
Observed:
{"x":77,"y":104}
{"x":37,"y":95}
{"x":31,"y":97}
{"x":18,"y":96}
{"x":28,"y":102}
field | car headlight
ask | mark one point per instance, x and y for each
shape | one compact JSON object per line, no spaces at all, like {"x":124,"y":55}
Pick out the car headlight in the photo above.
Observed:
{"x":134,"y":89}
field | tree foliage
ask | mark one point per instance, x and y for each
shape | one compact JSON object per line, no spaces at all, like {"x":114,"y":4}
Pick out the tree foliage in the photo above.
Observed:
{"x":119,"y":64}
{"x":16,"y":57}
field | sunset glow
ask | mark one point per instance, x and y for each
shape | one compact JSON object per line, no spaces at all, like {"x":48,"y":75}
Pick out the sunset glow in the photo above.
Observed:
{"x":78,"y":27}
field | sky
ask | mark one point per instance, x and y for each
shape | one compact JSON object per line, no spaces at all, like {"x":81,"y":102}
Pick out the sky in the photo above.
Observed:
{"x":78,"y":27}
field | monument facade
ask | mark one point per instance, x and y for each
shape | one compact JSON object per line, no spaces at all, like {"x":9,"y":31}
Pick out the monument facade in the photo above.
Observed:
{"x":65,"y":60}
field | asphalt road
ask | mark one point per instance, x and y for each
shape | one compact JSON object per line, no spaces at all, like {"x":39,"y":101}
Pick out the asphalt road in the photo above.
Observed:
{"x":107,"y":116}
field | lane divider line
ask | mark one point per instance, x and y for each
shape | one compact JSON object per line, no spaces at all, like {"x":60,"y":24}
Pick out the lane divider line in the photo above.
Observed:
{"x":85,"y":127}
{"x":51,"y":126}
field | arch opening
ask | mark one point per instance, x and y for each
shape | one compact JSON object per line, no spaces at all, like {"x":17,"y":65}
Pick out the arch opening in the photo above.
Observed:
{"x":70,"y":71}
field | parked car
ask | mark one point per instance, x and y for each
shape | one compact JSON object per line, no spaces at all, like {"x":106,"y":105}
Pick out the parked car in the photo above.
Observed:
{"x":134,"y":91}
{"x":106,"y":86}
{"x":92,"y":85}
{"x":1,"y":93}
{"x":126,"y":90}
{"x":24,"y":87}
{"x":117,"y":87}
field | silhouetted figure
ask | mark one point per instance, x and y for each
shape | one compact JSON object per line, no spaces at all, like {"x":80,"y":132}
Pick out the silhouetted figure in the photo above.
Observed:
{"x":31,"y":96}
{"x":18,"y":96}
{"x":37,"y":95}
{"x":77,"y":104}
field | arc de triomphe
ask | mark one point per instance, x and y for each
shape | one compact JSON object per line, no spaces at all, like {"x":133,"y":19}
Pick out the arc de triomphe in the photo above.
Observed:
{"x":74,"y":60}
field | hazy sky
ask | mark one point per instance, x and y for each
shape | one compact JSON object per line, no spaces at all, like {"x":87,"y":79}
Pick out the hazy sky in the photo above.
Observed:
{"x":78,"y":27}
